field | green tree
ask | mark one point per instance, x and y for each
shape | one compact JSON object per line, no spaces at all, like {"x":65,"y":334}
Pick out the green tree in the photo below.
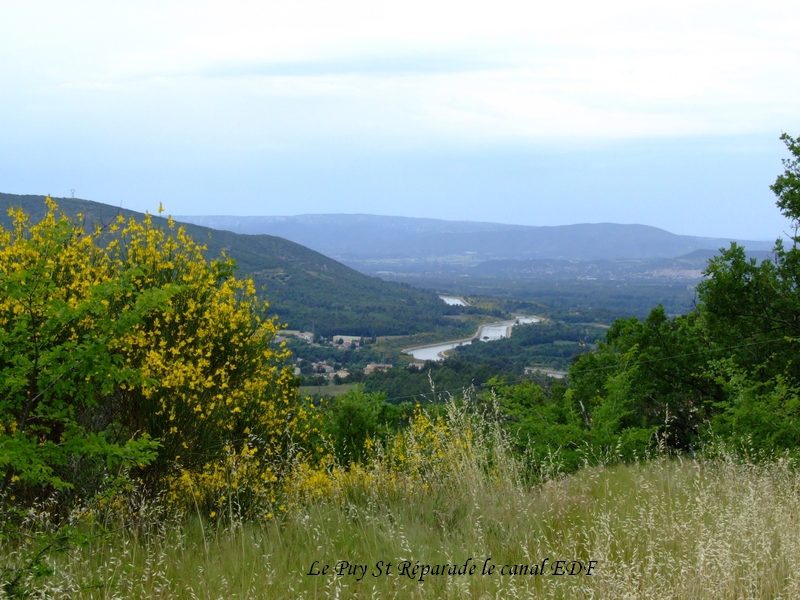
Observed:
{"x":542,"y":423}
{"x":787,"y":185}
{"x":354,"y":417}
{"x":752,"y":308}
{"x":646,"y":378}
{"x":730,"y":364}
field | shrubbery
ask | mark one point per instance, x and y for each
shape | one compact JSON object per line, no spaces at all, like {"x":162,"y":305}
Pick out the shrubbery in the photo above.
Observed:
{"x":129,"y":360}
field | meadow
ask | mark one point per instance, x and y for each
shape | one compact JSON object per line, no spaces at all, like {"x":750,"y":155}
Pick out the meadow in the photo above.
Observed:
{"x":718,"y":526}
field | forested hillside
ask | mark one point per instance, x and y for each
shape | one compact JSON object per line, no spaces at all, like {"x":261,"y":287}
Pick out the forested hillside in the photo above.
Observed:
{"x":306,"y":289}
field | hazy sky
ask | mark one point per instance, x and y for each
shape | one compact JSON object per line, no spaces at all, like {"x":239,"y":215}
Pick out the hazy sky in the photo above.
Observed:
{"x":540,"y":113}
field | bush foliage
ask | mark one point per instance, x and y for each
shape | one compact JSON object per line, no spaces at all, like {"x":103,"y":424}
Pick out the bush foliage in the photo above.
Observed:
{"x":727,"y":369}
{"x":124,"y":352}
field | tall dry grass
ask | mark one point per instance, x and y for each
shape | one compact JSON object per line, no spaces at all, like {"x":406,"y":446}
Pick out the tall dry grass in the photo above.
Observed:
{"x":668,"y":528}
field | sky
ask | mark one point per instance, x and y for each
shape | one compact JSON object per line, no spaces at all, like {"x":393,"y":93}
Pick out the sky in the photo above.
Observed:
{"x":536,"y":113}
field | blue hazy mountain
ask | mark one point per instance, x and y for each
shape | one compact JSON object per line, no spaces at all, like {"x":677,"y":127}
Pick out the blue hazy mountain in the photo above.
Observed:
{"x":357,"y":238}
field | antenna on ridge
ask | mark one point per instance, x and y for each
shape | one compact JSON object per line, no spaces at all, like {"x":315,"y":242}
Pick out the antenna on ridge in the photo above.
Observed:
{"x":73,"y":192}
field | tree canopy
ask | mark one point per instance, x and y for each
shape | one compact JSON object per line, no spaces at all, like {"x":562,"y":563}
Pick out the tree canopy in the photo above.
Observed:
{"x":730,"y":367}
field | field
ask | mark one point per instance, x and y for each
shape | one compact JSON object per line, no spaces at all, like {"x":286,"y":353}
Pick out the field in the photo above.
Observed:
{"x":714,"y":527}
{"x":326,"y":390}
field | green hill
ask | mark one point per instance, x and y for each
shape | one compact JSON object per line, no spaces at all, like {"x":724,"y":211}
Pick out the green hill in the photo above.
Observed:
{"x":306,"y":289}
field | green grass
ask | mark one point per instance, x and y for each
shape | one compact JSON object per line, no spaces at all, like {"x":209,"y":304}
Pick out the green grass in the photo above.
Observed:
{"x":663,"y":529}
{"x":326,"y":390}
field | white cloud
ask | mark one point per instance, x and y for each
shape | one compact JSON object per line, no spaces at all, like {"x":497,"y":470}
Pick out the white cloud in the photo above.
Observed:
{"x":466,"y":69}
{"x":178,"y":97}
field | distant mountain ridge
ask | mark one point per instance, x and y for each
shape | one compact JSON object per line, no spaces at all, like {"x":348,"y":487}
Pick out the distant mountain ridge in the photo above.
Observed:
{"x":358,"y":238}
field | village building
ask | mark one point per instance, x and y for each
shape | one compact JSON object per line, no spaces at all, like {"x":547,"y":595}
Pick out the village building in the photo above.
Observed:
{"x":303,"y":335}
{"x":346,"y":341}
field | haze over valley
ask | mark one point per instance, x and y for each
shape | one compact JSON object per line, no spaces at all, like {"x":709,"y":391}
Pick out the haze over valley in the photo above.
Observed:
{"x":418,"y":249}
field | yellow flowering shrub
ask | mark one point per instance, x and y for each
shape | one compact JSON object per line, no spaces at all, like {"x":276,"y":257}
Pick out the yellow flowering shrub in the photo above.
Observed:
{"x":432,"y":453}
{"x":140,"y":338}
{"x":58,"y":430}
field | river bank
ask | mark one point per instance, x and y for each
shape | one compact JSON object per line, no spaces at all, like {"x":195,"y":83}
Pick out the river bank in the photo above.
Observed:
{"x":485,"y":333}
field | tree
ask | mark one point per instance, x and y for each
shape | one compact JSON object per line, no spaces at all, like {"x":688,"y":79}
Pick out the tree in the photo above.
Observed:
{"x":730,"y":366}
{"x":647,"y":378}
{"x":787,"y":185}
{"x":58,"y":361}
{"x":355,"y":417}
{"x":541,"y":423}
{"x":754,"y":307}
